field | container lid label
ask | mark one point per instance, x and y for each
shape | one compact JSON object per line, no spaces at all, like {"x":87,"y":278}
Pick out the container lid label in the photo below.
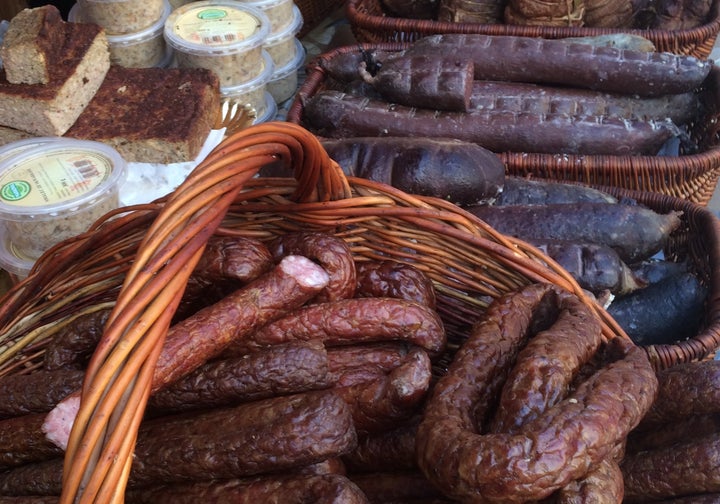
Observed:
{"x":50,"y":179}
{"x":216,"y":26}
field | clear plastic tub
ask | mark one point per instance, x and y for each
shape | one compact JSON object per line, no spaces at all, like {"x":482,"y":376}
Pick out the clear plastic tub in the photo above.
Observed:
{"x":224,"y":36}
{"x":284,"y":81}
{"x":279,"y":12}
{"x":253,"y":91}
{"x":56,"y":190}
{"x":143,"y":49}
{"x":281,"y":46}
{"x":120,"y":17}
{"x":271,"y":110}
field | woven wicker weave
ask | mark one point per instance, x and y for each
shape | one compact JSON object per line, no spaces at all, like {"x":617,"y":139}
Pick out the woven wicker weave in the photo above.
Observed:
{"x":138,"y":260}
{"x":692,"y":177}
{"x":314,"y":11}
{"x":370,"y":23}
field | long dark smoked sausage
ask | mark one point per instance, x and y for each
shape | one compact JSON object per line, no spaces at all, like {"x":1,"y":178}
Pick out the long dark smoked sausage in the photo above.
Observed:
{"x":357,"y":320}
{"x":558,"y":447}
{"x":290,"y":368}
{"x":394,"y":279}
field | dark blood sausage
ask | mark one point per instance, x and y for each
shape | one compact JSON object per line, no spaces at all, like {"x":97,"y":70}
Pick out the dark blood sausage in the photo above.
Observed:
{"x":634,"y":231}
{"x":197,"y":339}
{"x":279,"y":489}
{"x":396,"y":485}
{"x":331,"y":253}
{"x":604,"y":483}
{"x":394,"y":279}
{"x":522,"y":191}
{"x":23,"y":441}
{"x":430,"y":81}
{"x":461,"y":172}
{"x":390,"y":398}
{"x":544,"y":369}
{"x":596,"y":267}
{"x":227,"y":263}
{"x":346,"y":66}
{"x":557,"y":61}
{"x":335,"y":114}
{"x":548,"y":99}
{"x":73,"y":345}
{"x":284,"y":369}
{"x":36,"y":392}
{"x":269,"y":435}
{"x":558,"y":447}
{"x":673,"y":471}
{"x":391,"y":449}
{"x":354,"y":321}
{"x":665,"y":312}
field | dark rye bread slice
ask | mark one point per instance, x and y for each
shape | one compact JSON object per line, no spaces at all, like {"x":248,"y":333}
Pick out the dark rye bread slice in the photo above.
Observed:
{"x":50,"y":109}
{"x":152,"y":115}
{"x":32,"y":45}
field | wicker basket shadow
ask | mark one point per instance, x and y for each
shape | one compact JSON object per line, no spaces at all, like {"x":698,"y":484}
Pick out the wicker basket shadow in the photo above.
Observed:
{"x":137,"y":261}
{"x":371,"y":23}
{"x":691,"y":176}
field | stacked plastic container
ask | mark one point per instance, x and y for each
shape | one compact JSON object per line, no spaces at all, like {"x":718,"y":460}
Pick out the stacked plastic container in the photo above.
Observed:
{"x":288,"y":55}
{"x":134,"y":29}
{"x":228,"y":37}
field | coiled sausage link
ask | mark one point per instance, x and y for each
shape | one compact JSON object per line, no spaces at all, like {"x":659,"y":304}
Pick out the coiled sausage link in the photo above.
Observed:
{"x":558,"y":447}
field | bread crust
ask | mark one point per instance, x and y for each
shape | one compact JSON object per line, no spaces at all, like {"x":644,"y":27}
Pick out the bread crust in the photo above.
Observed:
{"x":50,"y":109}
{"x":152,"y":115}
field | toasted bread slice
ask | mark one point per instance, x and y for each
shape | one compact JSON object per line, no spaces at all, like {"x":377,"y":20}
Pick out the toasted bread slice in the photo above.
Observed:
{"x":50,"y":109}
{"x":152,"y":115}
{"x":32,"y":45}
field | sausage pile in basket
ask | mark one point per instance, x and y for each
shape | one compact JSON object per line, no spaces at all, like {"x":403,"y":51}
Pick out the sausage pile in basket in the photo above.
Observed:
{"x":294,"y":373}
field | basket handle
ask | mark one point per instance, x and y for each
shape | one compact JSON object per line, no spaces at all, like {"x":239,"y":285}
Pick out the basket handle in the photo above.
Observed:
{"x":118,"y":378}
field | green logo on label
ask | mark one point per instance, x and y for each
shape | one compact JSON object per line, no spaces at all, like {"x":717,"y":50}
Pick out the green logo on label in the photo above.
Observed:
{"x":209,"y":14}
{"x":15,"y":190}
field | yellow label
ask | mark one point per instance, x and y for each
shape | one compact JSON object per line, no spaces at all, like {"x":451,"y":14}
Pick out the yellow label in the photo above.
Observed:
{"x":50,"y":179}
{"x":216,"y":26}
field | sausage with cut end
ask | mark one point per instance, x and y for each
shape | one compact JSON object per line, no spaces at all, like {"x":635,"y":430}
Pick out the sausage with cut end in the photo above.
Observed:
{"x":192,"y":342}
{"x":332,"y":253}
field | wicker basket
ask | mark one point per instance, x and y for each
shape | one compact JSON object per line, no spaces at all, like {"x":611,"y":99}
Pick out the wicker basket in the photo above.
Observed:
{"x":138,"y":260}
{"x":693,"y":177}
{"x":314,"y":11}
{"x":370,"y":23}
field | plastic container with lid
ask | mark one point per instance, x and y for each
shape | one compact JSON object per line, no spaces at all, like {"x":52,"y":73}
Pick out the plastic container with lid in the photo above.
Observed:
{"x":224,"y":36}
{"x":279,"y":12}
{"x":55,"y":190}
{"x":142,"y":49}
{"x":120,"y":17}
{"x":282,"y":46}
{"x":271,"y":110}
{"x":284,"y":81}
{"x":253,"y":91}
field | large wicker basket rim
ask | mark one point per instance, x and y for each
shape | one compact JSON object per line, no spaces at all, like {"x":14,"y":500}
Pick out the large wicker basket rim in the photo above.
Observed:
{"x":379,"y":26}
